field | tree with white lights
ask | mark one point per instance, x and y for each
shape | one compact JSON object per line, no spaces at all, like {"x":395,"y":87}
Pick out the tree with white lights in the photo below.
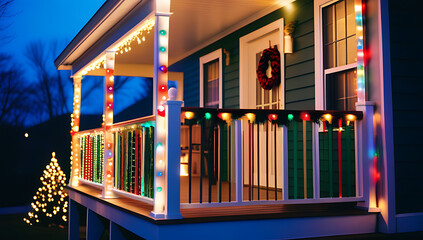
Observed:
{"x":50,"y":203}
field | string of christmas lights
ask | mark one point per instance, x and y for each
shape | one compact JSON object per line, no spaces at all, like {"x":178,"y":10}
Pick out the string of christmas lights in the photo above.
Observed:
{"x":50,"y":203}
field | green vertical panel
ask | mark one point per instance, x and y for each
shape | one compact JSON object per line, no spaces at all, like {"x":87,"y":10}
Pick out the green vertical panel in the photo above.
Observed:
{"x":151,"y":167}
{"x":82,"y":146}
{"x":146,"y":160}
{"x":330,"y":161}
{"x":129,"y":183}
{"x":94,"y":158}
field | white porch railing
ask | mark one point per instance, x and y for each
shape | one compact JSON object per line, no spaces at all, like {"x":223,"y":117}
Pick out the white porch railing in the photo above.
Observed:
{"x":232,"y":157}
{"x":240,"y":156}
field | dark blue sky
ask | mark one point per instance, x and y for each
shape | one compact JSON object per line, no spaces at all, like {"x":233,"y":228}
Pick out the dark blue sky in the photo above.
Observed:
{"x":50,"y":21}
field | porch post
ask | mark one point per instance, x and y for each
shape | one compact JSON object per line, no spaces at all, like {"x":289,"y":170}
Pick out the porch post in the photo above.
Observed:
{"x":75,"y":151}
{"x":238,"y":161}
{"x":173,"y":159}
{"x":161,"y":41}
{"x":108,"y":122}
{"x":366,"y":154}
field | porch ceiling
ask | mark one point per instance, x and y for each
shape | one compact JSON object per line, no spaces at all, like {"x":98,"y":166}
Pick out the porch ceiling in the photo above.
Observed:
{"x":193,"y":25}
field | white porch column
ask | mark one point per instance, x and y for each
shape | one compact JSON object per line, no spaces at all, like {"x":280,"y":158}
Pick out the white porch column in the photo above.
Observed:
{"x":75,"y":152}
{"x":108,"y":122}
{"x":160,"y":92}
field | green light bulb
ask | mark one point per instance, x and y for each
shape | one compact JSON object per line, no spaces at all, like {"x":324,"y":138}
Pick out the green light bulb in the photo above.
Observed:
{"x":207,"y":115}
{"x":162,"y":32}
{"x":159,"y":189}
{"x":162,"y":49}
{"x":290,"y":117}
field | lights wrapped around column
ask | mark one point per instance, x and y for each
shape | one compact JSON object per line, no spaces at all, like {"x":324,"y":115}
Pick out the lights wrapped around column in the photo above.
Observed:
{"x":161,"y":75}
{"x":75,"y":144}
{"x":108,"y":123}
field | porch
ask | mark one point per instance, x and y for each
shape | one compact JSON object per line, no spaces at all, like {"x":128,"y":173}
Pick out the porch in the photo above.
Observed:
{"x":192,"y":165}
{"x":120,"y":217}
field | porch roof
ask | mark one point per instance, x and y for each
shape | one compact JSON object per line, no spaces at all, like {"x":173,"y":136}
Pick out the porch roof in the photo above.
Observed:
{"x":193,"y":25}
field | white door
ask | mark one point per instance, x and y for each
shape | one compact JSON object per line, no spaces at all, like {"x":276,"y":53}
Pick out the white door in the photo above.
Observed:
{"x":253,"y":96}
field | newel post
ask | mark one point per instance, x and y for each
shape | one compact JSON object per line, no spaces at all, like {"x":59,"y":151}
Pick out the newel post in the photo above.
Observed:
{"x":173,"y":159}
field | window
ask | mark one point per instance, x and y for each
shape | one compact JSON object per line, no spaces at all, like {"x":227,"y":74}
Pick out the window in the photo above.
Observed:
{"x":339,"y":55}
{"x":211,"y":80}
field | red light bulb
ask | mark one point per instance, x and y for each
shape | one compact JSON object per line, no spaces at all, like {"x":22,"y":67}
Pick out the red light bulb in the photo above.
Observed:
{"x":273,"y":117}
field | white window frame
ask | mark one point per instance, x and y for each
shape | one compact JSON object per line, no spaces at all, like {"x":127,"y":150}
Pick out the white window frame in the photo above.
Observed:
{"x":217,"y":54}
{"x":320,"y":73}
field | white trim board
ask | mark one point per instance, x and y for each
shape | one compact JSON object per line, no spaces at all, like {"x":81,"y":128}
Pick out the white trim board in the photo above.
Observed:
{"x":217,"y":54}
{"x":409,"y":222}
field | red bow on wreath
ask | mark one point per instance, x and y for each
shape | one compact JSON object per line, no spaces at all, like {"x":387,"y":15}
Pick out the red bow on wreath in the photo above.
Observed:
{"x":272,"y":55}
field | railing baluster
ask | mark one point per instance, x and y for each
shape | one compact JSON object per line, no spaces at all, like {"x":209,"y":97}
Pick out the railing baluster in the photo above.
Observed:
{"x":202,"y":159}
{"x":267,"y":159}
{"x":305,"y":157}
{"x":190,"y":162}
{"x":229,"y":160}
{"x":340,"y":156}
{"x":258,"y":161}
{"x":275,"y":127}
{"x":348,"y":156}
{"x":330,"y":156}
{"x":221,"y":130}
{"x":295,"y":132}
{"x":249,"y":160}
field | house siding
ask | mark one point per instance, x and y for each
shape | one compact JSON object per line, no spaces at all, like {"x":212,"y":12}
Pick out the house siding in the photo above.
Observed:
{"x":407,"y":86}
{"x":299,"y":66}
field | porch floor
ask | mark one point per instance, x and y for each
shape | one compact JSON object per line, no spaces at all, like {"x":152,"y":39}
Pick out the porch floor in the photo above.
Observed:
{"x":215,"y":214}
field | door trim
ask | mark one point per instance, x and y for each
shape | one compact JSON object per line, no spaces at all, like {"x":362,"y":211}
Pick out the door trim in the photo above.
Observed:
{"x":243,"y":60}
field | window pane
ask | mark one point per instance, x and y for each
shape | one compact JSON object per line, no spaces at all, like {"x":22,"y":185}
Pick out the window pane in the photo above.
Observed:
{"x":328,"y":25}
{"x":351,"y":77}
{"x":341,"y":53}
{"x":351,"y":28}
{"x":340,"y":20}
{"x":211,"y":84}
{"x":341,"y":93}
{"x":351,"y":49}
{"x":329,"y":56}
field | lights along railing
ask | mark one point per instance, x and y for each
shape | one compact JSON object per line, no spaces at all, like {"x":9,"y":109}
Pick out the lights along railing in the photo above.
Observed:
{"x":285,"y":154}
{"x":134,"y":156}
{"x":92,"y":155}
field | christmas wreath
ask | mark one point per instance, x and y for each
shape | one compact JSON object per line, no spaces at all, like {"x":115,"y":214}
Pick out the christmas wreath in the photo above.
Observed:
{"x":272,"y":55}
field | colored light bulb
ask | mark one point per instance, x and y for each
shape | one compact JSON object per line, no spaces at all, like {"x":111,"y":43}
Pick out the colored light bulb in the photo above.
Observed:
{"x":290,"y":117}
{"x":189,"y":115}
{"x":273,"y":117}
{"x":162,"y":32}
{"x":161,"y":111}
{"x":207,"y":115}
{"x":159,"y":189}
{"x":159,"y":174}
{"x":163,"y":68}
{"x":162,"y":49}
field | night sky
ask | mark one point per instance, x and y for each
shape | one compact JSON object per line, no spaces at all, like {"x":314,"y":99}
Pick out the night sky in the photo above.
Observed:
{"x":57,"y":22}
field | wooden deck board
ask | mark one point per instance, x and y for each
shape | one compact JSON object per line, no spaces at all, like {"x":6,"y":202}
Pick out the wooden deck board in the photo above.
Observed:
{"x":233,"y":213}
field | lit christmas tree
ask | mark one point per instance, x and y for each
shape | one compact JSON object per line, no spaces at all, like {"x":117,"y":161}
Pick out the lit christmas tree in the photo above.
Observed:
{"x":50,"y":205}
